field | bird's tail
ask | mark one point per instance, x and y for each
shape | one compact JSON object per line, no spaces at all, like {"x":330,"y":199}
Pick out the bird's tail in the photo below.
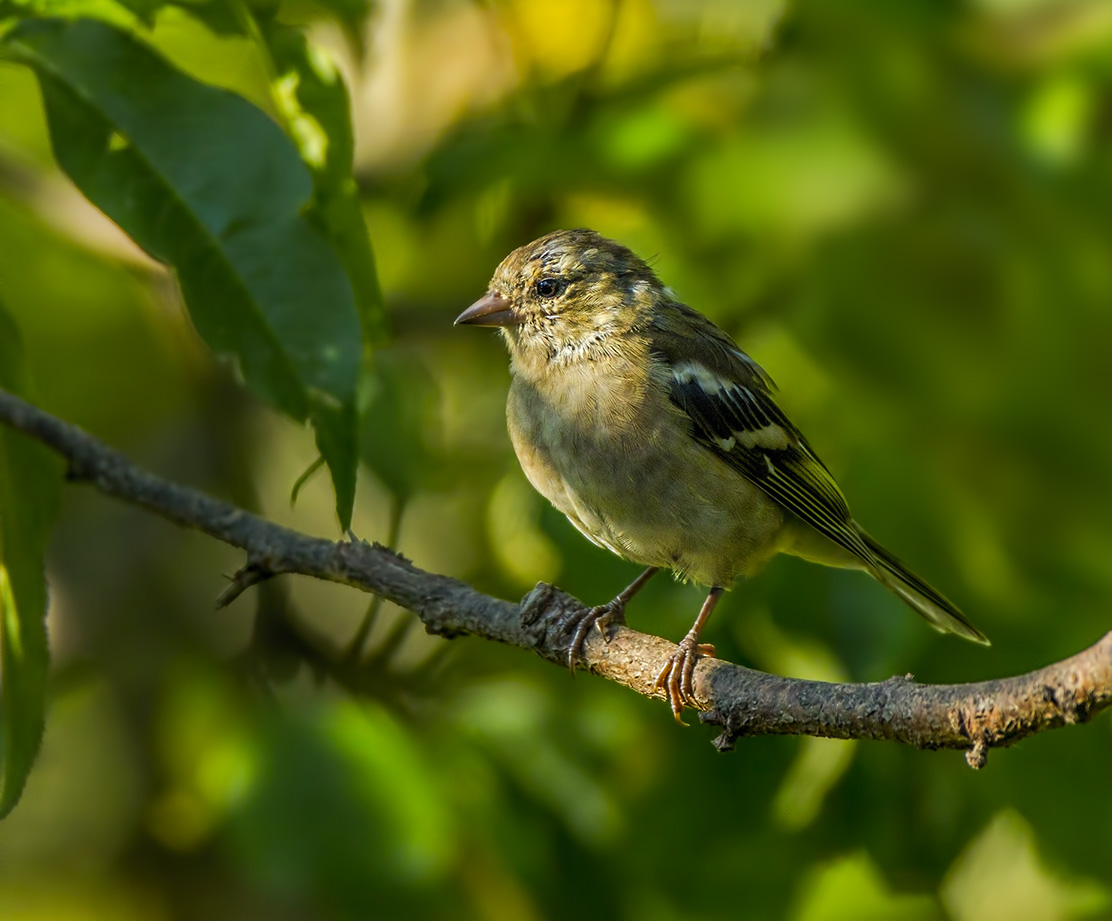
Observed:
{"x":941,"y":613}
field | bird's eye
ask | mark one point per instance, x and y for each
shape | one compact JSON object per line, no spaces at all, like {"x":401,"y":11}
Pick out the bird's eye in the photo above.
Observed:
{"x":548,"y":287}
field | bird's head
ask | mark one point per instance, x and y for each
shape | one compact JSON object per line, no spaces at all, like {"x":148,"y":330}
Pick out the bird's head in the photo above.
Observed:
{"x":567,"y":296}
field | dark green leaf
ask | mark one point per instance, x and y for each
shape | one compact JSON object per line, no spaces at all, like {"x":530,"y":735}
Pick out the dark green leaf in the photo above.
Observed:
{"x":29,"y":482}
{"x":219,"y":16}
{"x":203,"y":180}
{"x":337,"y":441}
{"x":312,"y":96}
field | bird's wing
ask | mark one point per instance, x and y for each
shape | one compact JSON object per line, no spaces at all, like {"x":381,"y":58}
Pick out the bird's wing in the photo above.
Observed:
{"x":728,"y":398}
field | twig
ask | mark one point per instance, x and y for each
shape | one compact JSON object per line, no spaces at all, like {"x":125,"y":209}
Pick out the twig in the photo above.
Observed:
{"x":973,"y":717}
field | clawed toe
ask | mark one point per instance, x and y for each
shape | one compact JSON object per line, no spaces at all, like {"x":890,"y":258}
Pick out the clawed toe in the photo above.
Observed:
{"x":676,"y":678}
{"x":601,"y":618}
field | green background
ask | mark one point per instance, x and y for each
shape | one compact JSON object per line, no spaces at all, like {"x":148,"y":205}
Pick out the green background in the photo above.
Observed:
{"x":903,"y":210}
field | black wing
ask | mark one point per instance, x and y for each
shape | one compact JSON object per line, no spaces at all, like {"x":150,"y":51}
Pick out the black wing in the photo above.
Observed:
{"x":728,"y":399}
{"x":738,"y":420}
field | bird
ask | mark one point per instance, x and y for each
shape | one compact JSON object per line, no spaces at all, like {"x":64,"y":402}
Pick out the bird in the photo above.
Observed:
{"x":660,"y":439}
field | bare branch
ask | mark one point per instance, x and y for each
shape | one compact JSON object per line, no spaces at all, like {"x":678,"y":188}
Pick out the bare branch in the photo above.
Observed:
{"x":973,"y":717}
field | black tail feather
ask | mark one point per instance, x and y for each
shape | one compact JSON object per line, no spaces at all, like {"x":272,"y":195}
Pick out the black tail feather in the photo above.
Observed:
{"x":935,"y":607}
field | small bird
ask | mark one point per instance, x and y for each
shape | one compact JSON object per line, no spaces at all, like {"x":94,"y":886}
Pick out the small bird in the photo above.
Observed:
{"x":659,"y":438}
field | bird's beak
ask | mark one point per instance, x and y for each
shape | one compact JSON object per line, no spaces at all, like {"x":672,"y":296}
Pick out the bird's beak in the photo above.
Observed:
{"x":490,"y":310}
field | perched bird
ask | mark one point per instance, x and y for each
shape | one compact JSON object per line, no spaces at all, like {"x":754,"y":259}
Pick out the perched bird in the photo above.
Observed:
{"x":659,"y":438}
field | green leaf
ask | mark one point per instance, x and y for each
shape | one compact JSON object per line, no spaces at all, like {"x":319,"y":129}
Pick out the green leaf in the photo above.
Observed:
{"x":221,"y":17}
{"x":122,"y":12}
{"x":30,"y":478}
{"x":311,"y":95}
{"x":205,"y":181}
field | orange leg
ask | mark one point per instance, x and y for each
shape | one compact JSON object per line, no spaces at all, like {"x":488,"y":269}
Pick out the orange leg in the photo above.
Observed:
{"x":675,"y":679}
{"x":613,"y":612}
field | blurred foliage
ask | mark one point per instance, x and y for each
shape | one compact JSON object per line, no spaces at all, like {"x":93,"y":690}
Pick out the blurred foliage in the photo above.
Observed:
{"x":30,"y":482}
{"x":901,"y":209}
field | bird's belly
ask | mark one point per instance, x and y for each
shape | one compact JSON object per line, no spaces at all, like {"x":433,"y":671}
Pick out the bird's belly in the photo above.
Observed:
{"x":651,"y":495}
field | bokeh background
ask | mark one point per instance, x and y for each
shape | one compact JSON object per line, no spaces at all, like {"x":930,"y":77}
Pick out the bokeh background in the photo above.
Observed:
{"x":903,"y":210}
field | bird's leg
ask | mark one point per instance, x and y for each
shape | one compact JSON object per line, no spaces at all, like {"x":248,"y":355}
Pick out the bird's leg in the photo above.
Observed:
{"x":675,"y":679}
{"x":602,"y":616}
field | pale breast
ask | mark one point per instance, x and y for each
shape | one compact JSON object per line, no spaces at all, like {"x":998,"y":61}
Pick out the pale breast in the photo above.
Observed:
{"x":619,"y":461}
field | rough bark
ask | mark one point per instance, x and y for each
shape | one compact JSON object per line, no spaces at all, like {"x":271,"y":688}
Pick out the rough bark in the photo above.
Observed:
{"x":974,"y":717}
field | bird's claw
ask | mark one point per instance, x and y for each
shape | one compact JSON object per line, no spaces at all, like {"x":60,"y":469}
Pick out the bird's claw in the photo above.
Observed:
{"x":602,"y":617}
{"x":675,"y":679}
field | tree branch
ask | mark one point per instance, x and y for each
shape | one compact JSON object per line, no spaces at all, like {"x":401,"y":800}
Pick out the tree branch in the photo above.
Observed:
{"x":743,"y":702}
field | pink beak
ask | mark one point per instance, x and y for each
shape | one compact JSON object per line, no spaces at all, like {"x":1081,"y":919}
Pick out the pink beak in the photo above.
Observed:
{"x":490,"y":310}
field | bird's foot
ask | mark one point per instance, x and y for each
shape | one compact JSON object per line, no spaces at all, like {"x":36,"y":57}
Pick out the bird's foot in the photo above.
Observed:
{"x":602,"y":617}
{"x":675,"y":679}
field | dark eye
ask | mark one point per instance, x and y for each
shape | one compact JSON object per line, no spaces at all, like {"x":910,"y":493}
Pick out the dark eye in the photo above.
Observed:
{"x":548,"y":287}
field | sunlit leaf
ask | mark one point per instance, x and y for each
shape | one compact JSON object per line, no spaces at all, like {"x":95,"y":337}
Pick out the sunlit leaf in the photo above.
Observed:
{"x":311,"y":95}
{"x":203,"y":180}
{"x":851,"y":887}
{"x":121,"y":12}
